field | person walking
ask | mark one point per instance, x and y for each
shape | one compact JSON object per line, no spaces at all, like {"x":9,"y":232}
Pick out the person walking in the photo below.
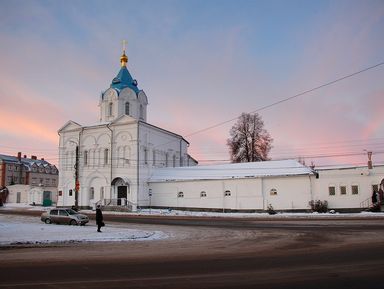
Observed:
{"x":99,"y":218}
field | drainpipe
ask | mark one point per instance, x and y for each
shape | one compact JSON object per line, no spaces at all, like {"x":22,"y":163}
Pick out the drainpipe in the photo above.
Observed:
{"x":111,"y":172}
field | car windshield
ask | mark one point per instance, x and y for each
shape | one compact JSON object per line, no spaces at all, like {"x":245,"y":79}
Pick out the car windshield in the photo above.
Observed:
{"x":71,"y":212}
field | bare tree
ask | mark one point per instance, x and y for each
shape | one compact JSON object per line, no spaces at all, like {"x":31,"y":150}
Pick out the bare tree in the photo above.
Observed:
{"x":249,"y":141}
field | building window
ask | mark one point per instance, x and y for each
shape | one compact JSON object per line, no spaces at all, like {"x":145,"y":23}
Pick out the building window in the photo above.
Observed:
{"x":141,"y":112}
{"x":106,"y":151}
{"x":154,"y":158}
{"x":343,"y":190}
{"x":53,"y":182}
{"x":355,"y":189}
{"x":145,"y":156}
{"x":203,"y":194}
{"x":110,"y":109}
{"x":273,"y":192}
{"x":375,"y":188}
{"x":332,"y":190}
{"x":70,"y":193}
{"x":91,"y":193}
{"x":174,"y":160}
{"x":85,"y":158}
{"x":180,"y":195}
{"x":227,"y":193}
{"x":127,"y":108}
{"x":101,"y":193}
{"x":166,"y":159}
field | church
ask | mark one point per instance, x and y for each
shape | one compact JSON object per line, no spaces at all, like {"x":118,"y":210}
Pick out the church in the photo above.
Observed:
{"x":109,"y":163}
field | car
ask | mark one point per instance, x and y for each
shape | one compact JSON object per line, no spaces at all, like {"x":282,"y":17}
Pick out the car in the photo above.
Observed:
{"x":64,"y":216}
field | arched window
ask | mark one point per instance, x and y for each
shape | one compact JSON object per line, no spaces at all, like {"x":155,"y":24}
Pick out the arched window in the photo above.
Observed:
{"x":141,"y":111}
{"x":91,"y":193}
{"x":106,"y":152}
{"x":127,"y":108}
{"x":203,"y":194}
{"x":227,"y":193}
{"x":180,"y":195}
{"x":110,"y":109}
{"x":85,"y":158}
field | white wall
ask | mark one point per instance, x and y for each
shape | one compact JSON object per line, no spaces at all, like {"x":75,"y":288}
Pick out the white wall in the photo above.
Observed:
{"x":362,"y":177}
{"x":245,"y":194}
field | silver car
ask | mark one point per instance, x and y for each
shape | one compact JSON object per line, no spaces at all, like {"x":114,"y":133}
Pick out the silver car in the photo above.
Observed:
{"x":64,"y":216}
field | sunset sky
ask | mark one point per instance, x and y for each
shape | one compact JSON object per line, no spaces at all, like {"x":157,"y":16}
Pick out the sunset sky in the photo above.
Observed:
{"x":201,"y":63}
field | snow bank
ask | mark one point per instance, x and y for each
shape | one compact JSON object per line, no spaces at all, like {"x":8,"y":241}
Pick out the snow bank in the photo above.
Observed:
{"x":17,"y":230}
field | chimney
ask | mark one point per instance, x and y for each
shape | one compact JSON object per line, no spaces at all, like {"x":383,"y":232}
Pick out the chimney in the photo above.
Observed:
{"x":34,"y":157}
{"x":370,"y":161}
{"x":19,"y":156}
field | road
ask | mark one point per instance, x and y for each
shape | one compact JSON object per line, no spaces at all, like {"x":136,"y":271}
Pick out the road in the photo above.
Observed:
{"x":210,"y":253}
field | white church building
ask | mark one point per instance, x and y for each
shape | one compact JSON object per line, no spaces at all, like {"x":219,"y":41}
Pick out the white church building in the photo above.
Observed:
{"x":110,"y":162}
{"x":123,"y":162}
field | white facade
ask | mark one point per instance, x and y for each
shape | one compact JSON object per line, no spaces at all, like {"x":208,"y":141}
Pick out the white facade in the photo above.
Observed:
{"x":253,"y":186}
{"x":28,"y":194}
{"x":115,"y":157}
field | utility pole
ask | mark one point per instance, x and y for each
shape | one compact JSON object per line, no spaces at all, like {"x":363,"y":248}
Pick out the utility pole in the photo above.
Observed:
{"x":77,"y":184}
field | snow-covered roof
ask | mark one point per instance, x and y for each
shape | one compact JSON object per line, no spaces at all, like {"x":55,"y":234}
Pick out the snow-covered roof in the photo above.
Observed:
{"x":231,"y":171}
{"x":27,"y":162}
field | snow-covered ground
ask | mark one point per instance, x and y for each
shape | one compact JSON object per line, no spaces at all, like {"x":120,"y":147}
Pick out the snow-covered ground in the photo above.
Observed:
{"x":15,"y":229}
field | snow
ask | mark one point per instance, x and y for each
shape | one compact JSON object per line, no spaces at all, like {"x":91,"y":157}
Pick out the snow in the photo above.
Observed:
{"x":17,"y":229}
{"x":229,"y":171}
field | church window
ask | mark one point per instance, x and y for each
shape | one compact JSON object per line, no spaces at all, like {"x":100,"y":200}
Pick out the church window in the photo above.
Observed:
{"x":127,"y":108}
{"x":343,"y":190}
{"x":227,"y":193}
{"x":180,"y":195}
{"x":166,"y":159}
{"x":85,"y":158}
{"x":91,"y":193}
{"x":106,"y":151}
{"x":110,"y":109}
{"x":203,"y":194}
{"x":145,"y":156}
{"x":141,"y":112}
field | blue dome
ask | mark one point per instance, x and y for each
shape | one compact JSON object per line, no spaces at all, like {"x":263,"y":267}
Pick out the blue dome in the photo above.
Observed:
{"x":123,"y":80}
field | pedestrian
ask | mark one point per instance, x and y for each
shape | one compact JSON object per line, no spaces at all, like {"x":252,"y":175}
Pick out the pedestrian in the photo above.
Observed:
{"x":374,"y":198}
{"x":99,"y":218}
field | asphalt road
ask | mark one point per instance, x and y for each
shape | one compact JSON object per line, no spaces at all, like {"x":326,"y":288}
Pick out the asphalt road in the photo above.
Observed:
{"x":210,"y":253}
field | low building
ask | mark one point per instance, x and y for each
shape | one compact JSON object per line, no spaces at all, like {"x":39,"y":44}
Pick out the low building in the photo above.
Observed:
{"x":285,"y":185}
{"x":28,"y":180}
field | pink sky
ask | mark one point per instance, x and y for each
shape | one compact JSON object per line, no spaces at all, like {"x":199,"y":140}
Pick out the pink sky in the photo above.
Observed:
{"x":54,"y":66}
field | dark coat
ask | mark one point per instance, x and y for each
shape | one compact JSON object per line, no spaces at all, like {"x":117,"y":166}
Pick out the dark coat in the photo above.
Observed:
{"x":99,"y":216}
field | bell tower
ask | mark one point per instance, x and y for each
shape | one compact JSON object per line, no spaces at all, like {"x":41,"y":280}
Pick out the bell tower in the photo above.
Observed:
{"x":123,"y":96}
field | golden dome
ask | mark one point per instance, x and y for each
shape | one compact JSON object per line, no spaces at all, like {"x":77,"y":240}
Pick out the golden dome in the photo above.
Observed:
{"x":123,"y":59}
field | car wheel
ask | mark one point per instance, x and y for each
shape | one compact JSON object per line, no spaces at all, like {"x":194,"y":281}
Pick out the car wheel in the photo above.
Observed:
{"x":47,"y":221}
{"x":73,"y":223}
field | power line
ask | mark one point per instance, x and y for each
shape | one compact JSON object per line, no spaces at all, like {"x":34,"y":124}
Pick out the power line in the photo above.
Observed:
{"x":291,"y":97}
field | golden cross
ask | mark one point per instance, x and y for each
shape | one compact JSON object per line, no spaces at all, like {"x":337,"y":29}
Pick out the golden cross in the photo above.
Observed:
{"x":124,"y":42}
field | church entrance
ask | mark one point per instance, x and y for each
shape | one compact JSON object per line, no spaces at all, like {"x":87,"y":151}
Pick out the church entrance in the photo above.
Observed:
{"x":121,"y":189}
{"x":122,"y":195}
